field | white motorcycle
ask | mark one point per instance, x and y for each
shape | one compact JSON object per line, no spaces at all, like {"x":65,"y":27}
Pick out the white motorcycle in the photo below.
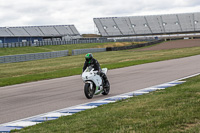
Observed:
{"x":94,"y":84}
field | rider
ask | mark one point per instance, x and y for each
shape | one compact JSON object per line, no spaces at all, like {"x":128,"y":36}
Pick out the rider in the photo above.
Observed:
{"x":90,"y":61}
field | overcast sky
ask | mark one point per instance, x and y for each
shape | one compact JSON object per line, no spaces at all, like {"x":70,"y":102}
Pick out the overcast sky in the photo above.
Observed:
{"x":81,"y":12}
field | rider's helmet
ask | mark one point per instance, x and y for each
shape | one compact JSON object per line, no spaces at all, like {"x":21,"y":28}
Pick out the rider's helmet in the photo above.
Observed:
{"x":88,"y":57}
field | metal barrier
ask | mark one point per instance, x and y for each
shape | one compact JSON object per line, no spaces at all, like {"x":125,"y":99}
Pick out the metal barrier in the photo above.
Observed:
{"x":34,"y":56}
{"x":47,"y":55}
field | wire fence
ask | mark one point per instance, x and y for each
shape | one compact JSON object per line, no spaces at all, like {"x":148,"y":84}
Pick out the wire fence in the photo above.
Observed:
{"x":94,"y":40}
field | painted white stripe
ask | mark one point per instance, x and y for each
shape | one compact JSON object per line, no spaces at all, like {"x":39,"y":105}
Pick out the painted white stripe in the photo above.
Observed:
{"x":135,"y":92}
{"x":188,"y":77}
{"x":122,"y":96}
{"x":177,"y":82}
{"x":161,"y":88}
{"x":56,"y":114}
{"x":105,"y":101}
{"x":151,"y":89}
{"x":166,"y":84}
{"x":22,"y":124}
{"x":83,"y":107}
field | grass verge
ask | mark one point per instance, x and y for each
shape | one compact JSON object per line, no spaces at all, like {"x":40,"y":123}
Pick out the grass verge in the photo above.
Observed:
{"x":175,"y":109}
{"x":15,"y":73}
{"x":50,"y":48}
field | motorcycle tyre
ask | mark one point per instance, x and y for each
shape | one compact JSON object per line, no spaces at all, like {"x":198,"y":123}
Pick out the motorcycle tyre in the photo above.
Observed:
{"x":107,"y":90}
{"x":88,"y":94}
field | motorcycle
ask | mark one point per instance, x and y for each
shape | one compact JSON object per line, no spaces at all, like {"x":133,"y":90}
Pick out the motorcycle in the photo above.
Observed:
{"x":94,"y":84}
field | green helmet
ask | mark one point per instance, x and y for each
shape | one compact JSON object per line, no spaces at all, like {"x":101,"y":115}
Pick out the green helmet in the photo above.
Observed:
{"x":88,"y":57}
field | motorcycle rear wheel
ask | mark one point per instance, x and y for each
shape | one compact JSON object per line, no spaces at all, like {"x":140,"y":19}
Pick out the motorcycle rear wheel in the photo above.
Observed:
{"x":106,"y":89}
{"x":89,"y":92}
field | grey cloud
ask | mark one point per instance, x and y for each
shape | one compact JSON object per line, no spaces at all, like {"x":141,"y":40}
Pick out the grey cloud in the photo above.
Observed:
{"x":193,"y":3}
{"x":82,"y":12}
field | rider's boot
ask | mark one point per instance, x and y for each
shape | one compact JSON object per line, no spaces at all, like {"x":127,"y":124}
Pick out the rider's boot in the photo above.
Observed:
{"x":106,"y":81}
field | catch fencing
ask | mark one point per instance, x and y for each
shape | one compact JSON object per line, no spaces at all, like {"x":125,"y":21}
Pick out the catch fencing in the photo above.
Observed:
{"x":92,"y":40}
{"x":46,"y":43}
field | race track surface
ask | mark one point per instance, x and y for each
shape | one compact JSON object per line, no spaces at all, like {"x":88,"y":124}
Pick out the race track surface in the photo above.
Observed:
{"x":173,"y":45}
{"x":29,"y":99}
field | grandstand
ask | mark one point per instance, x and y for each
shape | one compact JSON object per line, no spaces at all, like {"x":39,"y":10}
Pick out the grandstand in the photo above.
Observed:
{"x":37,"y":33}
{"x":148,"y":25}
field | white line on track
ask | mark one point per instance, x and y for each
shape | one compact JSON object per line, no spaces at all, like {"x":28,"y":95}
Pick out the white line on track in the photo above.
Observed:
{"x":7,"y":127}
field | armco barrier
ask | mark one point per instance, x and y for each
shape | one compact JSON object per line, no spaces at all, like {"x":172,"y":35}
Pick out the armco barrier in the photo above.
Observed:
{"x":34,"y":56}
{"x":91,"y":50}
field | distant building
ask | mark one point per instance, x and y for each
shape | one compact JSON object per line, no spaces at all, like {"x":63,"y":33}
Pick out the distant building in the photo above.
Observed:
{"x":149,"y":25}
{"x":38,"y":33}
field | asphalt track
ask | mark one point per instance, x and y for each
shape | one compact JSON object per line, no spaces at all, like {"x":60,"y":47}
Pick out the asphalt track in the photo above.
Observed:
{"x":29,"y":99}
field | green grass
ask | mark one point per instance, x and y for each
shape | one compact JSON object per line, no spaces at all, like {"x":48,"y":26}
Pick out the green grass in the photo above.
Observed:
{"x":173,"y":110}
{"x":15,"y":73}
{"x":50,"y":48}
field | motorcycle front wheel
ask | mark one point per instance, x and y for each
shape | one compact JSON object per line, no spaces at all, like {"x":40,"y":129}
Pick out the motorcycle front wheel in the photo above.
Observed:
{"x":89,"y":92}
